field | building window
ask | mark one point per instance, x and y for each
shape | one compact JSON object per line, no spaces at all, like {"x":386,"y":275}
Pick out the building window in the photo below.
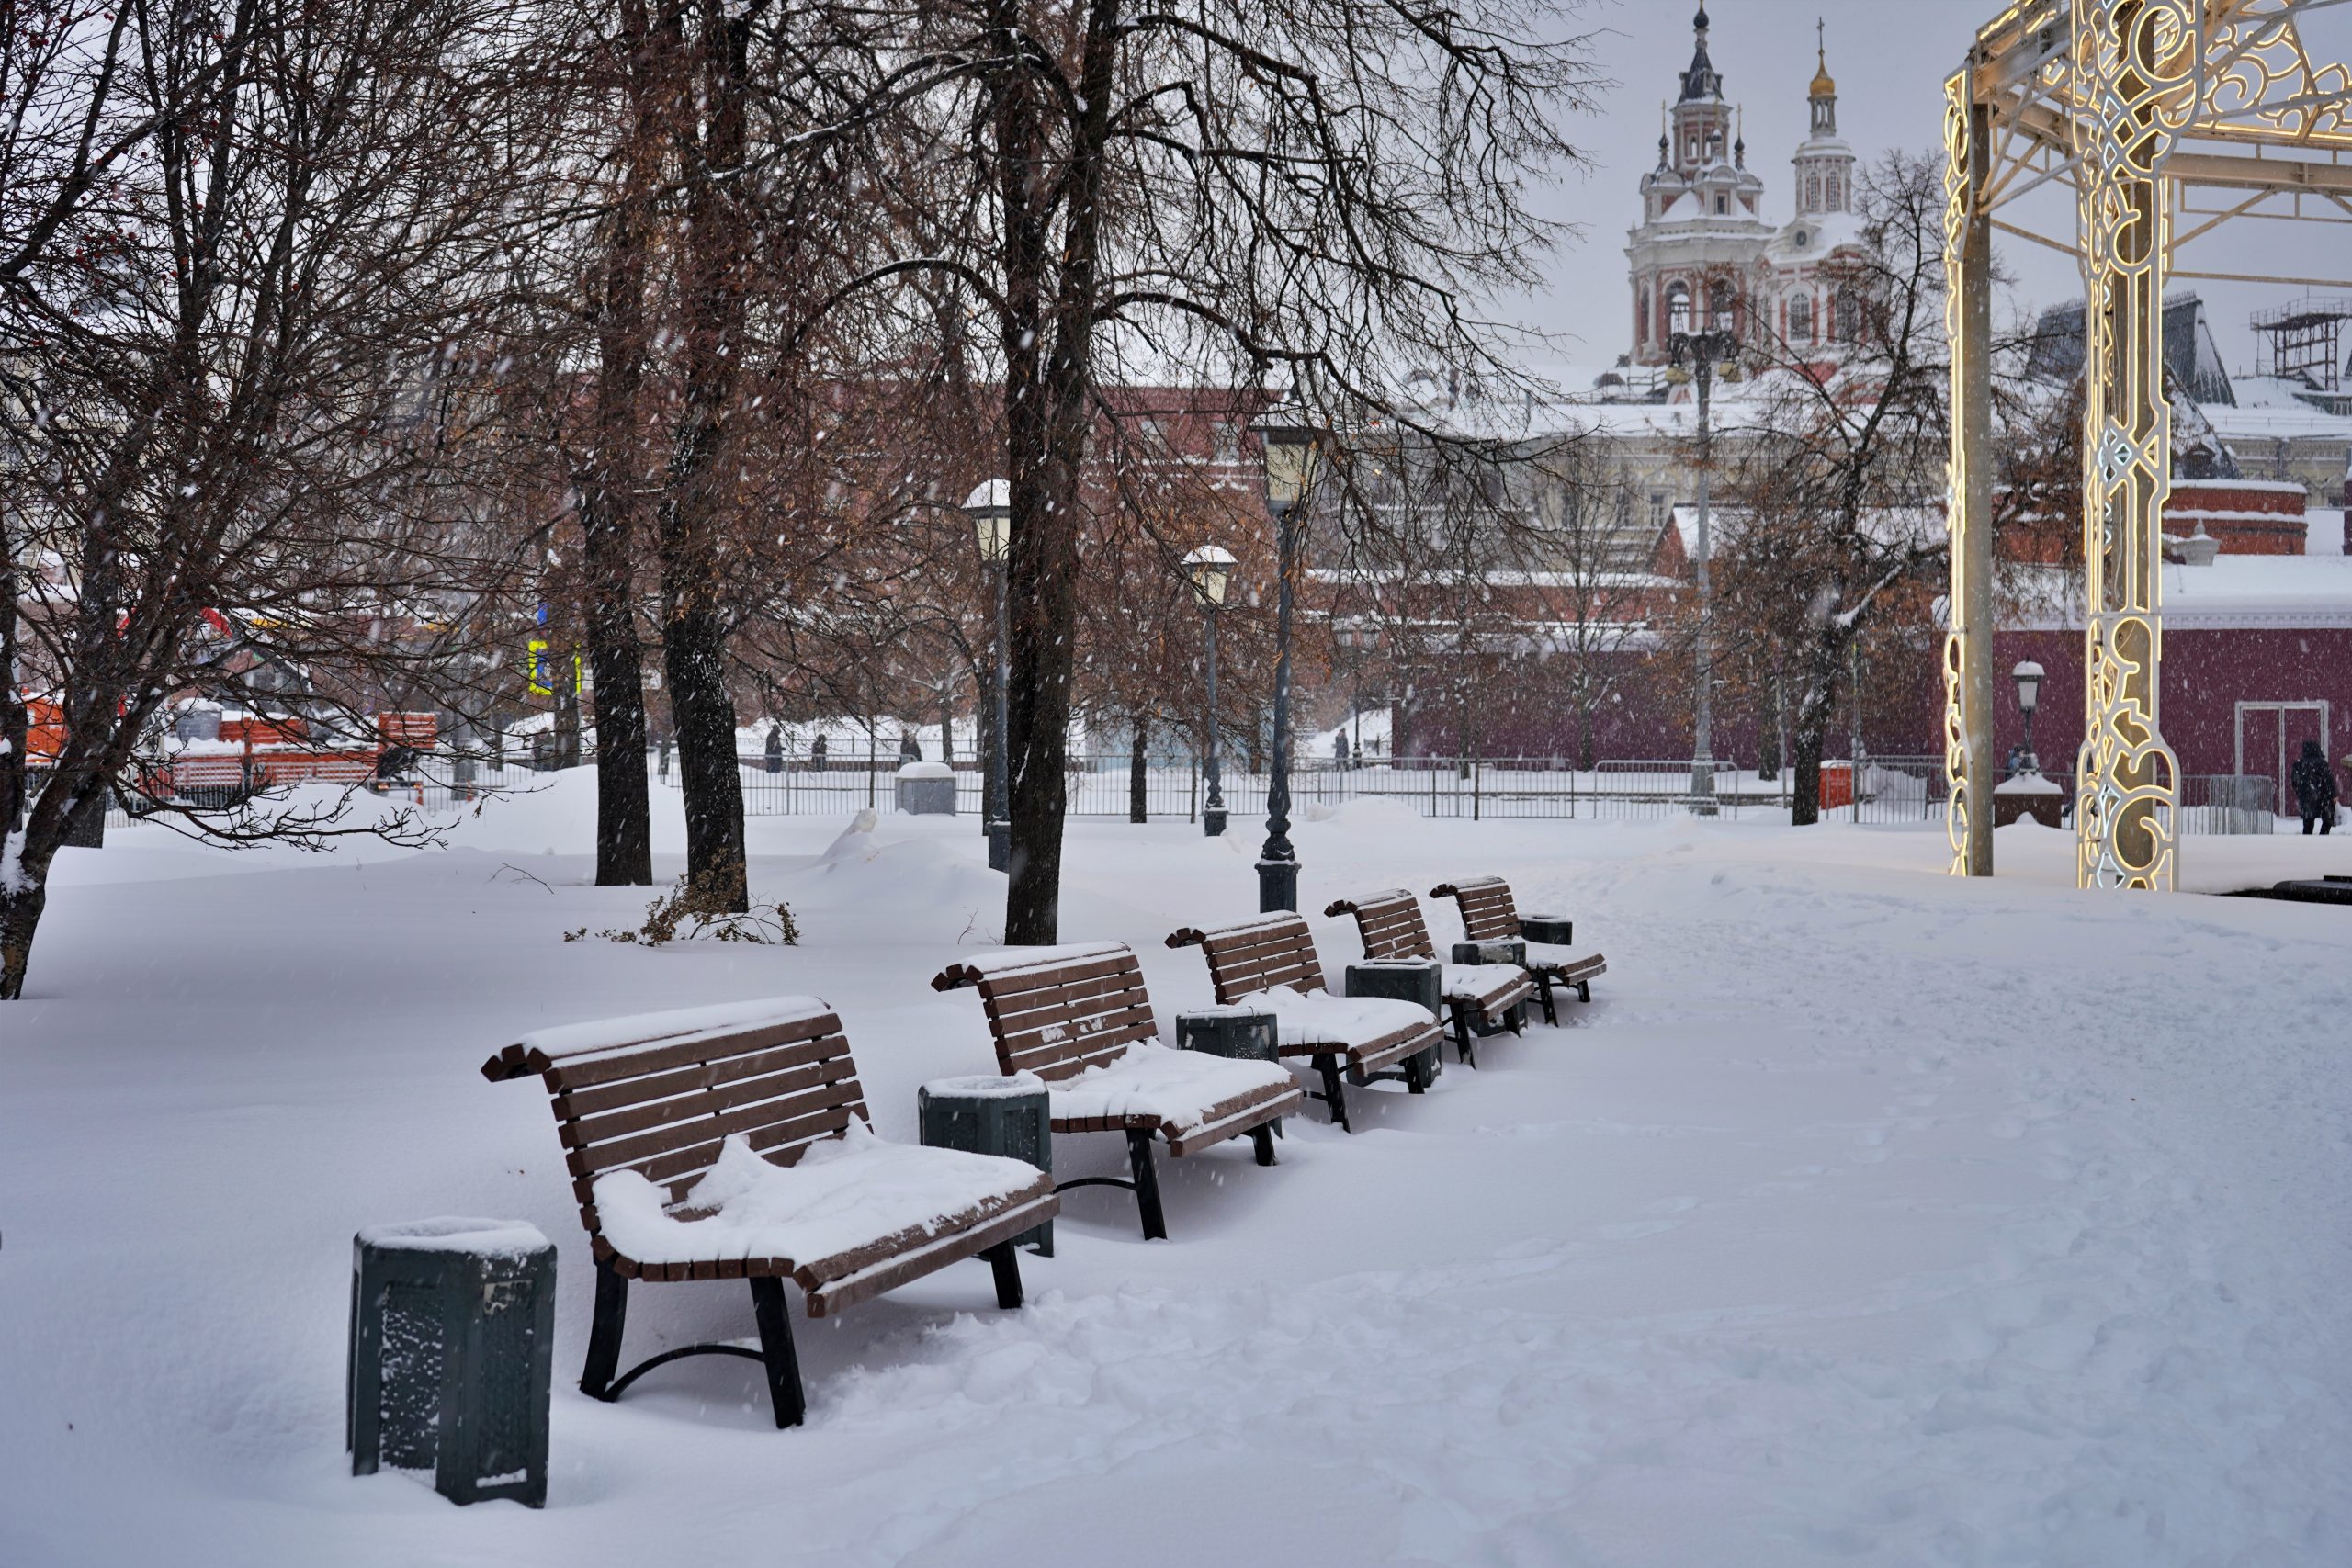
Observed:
{"x":1800,"y":318}
{"x":1719,"y":311}
{"x":1847,"y":325}
{"x":1657,"y":509}
{"x":1642,"y":315}
{"x":1678,"y":307}
{"x":1835,"y":204}
{"x":1813,"y":193}
{"x":1721,"y":206}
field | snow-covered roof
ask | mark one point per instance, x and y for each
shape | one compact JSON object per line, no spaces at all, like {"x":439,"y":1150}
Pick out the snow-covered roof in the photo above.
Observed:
{"x":2234,"y":593}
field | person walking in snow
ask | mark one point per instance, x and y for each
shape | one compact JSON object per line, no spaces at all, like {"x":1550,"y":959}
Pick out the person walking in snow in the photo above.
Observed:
{"x":2314,"y":783}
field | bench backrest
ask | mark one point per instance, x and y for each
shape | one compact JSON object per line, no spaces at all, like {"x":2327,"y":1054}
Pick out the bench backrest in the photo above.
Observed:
{"x":1390,"y":924}
{"x":1056,"y":1011}
{"x":1256,"y":955}
{"x":660,"y":1093}
{"x":1488,"y":913}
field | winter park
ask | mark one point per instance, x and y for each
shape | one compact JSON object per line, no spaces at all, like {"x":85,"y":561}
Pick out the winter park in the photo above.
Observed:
{"x":1547,"y":782}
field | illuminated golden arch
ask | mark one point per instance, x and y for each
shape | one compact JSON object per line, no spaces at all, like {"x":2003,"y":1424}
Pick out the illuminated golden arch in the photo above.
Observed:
{"x":2145,"y":108}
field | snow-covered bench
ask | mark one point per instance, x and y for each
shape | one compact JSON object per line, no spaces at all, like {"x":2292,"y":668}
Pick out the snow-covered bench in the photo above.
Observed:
{"x":1079,"y":1018}
{"x":1480,"y":995}
{"x":1271,"y":962}
{"x":731,"y":1142}
{"x":1489,"y":914}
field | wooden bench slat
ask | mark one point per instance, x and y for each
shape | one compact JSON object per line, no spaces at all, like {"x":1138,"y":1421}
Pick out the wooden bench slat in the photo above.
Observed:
{"x":605,"y":1065}
{"x":725,"y":1095}
{"x":575,"y":1103}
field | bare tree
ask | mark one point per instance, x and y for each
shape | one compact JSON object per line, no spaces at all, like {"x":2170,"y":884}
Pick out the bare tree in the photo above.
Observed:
{"x":238,"y":388}
{"x":1323,"y":186}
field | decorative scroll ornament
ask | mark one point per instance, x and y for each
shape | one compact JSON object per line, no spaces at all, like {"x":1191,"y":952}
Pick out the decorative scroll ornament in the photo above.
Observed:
{"x":1961,"y":770}
{"x":2133,"y":92}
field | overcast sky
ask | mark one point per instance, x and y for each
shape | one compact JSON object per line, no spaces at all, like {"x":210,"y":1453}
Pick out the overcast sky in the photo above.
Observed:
{"x":1890,"y":57}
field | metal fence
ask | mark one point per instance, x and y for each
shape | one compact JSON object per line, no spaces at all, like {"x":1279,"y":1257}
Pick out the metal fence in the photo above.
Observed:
{"x":1892,"y":792}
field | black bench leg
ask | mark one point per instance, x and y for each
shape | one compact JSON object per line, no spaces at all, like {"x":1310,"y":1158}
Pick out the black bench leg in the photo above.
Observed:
{"x":1006,"y":1261}
{"x":783,"y":1362}
{"x":1335,"y":1095}
{"x":1584,"y":991}
{"x":1263,"y":1137}
{"x":1155,"y":1222}
{"x":604,"y":1333}
{"x":1544,"y":990}
{"x":1461,"y":1035}
{"x":1416,"y":1077}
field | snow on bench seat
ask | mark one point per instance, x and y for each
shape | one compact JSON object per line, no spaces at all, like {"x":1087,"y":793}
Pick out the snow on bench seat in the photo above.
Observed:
{"x":847,"y":1201}
{"x":1188,"y":1096}
{"x":1308,"y":1021}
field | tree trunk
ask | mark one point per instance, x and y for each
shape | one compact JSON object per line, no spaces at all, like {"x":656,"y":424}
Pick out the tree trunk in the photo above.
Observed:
{"x":23,"y":896}
{"x":608,"y":511}
{"x":1139,"y":777}
{"x":1815,"y":708}
{"x":716,"y":264}
{"x":1805,"y":799}
{"x":1050,"y":412}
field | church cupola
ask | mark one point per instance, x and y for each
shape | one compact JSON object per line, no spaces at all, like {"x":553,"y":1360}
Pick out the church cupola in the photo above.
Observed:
{"x":1702,"y":81}
{"x":1825,"y":164}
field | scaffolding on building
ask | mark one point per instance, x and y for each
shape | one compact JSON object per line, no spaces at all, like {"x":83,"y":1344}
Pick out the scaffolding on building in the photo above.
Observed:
{"x":2303,"y":341}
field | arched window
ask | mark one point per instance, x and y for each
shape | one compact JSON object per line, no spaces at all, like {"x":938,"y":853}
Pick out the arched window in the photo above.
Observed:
{"x":1800,"y":318}
{"x":1642,"y":314}
{"x":1848,"y":326}
{"x":1719,"y":308}
{"x":1813,"y":193}
{"x":1836,"y":204}
{"x":1678,"y":307}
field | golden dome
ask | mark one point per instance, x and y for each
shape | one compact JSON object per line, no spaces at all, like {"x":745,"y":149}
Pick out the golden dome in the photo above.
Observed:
{"x":1824,"y":85}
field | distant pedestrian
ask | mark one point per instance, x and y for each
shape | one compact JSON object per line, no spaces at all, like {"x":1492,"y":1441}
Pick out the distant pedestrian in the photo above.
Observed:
{"x":817,"y":755}
{"x":2314,"y":783}
{"x":1339,"y":748}
{"x":774,"y":754}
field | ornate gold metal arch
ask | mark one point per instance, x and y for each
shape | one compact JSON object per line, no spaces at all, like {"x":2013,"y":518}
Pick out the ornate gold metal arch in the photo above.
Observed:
{"x":2153,"y":112}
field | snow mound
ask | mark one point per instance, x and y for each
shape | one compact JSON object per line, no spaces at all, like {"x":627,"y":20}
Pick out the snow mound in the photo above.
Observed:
{"x":856,"y":841}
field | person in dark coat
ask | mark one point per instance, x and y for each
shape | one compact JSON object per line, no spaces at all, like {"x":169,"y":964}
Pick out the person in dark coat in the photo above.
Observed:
{"x":2314,"y":783}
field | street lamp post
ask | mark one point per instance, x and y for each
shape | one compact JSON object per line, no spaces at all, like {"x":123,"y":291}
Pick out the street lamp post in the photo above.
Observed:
{"x":1210,"y":567}
{"x":1292,"y":450}
{"x":2028,"y":676}
{"x":1703,"y":350}
{"x":990,"y":506}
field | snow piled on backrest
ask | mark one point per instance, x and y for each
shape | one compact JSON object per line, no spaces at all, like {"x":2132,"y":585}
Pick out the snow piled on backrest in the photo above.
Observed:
{"x":677,"y":1024}
{"x":1015,"y":960}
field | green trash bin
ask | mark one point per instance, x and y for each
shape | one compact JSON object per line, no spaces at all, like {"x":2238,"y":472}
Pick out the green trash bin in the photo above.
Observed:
{"x":1004,"y":1116}
{"x":452,"y":1351}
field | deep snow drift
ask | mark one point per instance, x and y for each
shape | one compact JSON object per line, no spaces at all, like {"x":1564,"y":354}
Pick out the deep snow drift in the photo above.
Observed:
{"x":1865,"y":1216}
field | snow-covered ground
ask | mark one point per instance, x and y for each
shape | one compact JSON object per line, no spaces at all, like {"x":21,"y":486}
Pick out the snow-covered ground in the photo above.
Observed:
{"x":1866,"y":1216}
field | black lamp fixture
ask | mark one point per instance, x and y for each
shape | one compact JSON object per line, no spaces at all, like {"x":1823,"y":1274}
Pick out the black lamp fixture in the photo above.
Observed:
{"x":2029,"y":677}
{"x":1210,"y":568}
{"x":990,"y":506}
{"x":1294,"y":449}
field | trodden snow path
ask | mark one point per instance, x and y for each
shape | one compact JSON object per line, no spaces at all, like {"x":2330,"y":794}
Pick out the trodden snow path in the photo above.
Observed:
{"x":1866,"y":1216}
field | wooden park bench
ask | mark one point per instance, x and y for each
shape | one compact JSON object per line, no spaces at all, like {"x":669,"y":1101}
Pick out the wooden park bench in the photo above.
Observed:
{"x":1079,"y":1018}
{"x":1480,"y":995}
{"x":731,"y":1142}
{"x":1489,"y":914}
{"x":1271,"y":962}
